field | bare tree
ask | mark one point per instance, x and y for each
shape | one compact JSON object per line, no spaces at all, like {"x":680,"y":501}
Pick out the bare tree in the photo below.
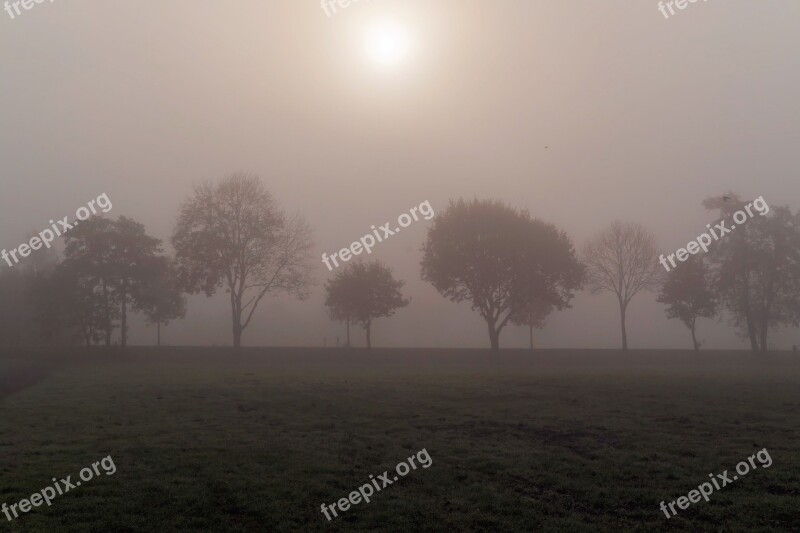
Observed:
{"x":623,"y":259}
{"x":232,"y":234}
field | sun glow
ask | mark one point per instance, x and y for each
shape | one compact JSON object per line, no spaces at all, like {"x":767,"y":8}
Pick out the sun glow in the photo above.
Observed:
{"x":387,"y":43}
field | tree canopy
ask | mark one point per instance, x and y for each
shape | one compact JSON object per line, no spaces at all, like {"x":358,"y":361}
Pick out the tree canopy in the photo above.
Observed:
{"x":499,"y":259}
{"x":688,"y":294}
{"x":756,"y":267}
{"x":362,"y":292}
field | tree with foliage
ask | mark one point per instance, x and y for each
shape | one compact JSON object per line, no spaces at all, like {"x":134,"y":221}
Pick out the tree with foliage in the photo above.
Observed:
{"x":532,"y":315}
{"x":231,"y":234}
{"x":500,"y":260}
{"x":163,"y":301}
{"x":90,"y":271}
{"x":623,"y":260}
{"x":339,"y":298}
{"x":139,"y":263}
{"x":69,"y":308}
{"x":16,"y":313}
{"x":688,"y":294}
{"x":756,"y":265}
{"x":362,"y":292}
{"x":112,"y":263}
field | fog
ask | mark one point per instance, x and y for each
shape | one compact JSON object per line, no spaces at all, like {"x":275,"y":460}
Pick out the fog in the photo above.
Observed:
{"x":582,"y":112}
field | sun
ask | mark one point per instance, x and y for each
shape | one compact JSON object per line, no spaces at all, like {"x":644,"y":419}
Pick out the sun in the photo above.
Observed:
{"x":387,"y":43}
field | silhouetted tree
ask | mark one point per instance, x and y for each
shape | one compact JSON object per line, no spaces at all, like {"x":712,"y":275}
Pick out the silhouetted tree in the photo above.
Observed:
{"x":232,"y":234}
{"x":500,"y":260}
{"x":89,"y":270}
{"x":362,"y":292}
{"x":28,"y":314}
{"x":688,"y":294}
{"x":756,"y":266}
{"x":138,"y":265}
{"x":623,"y":259}
{"x":16,"y":312}
{"x":66,"y":311}
{"x":113,"y":262}
{"x":162,"y":300}
{"x":532,"y":315}
{"x":340,"y":300}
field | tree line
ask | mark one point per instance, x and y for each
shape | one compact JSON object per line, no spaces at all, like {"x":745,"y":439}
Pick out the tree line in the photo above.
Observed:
{"x":510,"y":267}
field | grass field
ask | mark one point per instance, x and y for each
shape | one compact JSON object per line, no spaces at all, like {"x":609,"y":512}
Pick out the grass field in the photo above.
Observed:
{"x":209,"y":440}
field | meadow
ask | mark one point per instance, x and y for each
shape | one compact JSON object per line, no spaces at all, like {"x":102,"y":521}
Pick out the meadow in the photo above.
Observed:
{"x":207,"y":439}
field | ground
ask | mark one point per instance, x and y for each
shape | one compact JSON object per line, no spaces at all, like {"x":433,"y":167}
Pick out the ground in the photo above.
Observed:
{"x":552,"y":440}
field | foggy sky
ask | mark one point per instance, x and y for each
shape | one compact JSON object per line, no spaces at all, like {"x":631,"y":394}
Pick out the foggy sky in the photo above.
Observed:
{"x":642,"y":118}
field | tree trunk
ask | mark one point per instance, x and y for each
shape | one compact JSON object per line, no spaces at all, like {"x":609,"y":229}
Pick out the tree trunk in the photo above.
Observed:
{"x":530,"y":333}
{"x":764,"y":332}
{"x":107,"y":309}
{"x":694,"y":337}
{"x":237,"y":335}
{"x":123,"y":328}
{"x":751,"y":327}
{"x":622,"y":310}
{"x":348,"y":333}
{"x":236,"y":314}
{"x":751,"y":330}
{"x":158,"y":327}
{"x":494,"y":338}
{"x":369,"y":338}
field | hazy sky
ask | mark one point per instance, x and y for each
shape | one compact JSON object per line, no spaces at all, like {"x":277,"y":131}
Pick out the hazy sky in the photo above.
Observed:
{"x":642,"y":117}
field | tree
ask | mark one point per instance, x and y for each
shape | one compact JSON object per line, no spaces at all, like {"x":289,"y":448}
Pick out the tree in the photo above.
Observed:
{"x":16,"y":312}
{"x":28,"y":316}
{"x":68,"y":310}
{"x":339,"y":298}
{"x":500,"y":260}
{"x":532,"y":315}
{"x":111,"y":264}
{"x":232,"y":234}
{"x":756,"y":267}
{"x":688,"y":294}
{"x":163,"y":300}
{"x":623,"y":259}
{"x":362,"y":292}
{"x":88,"y":269}
{"x":137,"y":264}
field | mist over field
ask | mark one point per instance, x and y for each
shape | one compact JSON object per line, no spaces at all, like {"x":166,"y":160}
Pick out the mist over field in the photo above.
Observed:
{"x":581,"y":113}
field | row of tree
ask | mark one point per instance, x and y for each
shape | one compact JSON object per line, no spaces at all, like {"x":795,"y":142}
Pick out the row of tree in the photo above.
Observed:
{"x":515,"y":269}
{"x":512,"y":268}
{"x":110,"y":268}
